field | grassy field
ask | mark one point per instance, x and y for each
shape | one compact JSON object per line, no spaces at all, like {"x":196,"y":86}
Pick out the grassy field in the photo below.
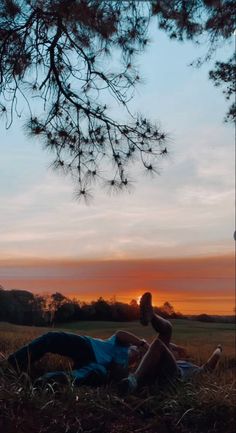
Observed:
{"x":206,"y":406}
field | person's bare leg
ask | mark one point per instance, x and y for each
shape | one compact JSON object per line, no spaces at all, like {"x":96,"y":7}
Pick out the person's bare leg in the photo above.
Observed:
{"x":163,"y":326}
{"x":212,"y":362}
{"x":157,"y":363}
{"x":157,"y":360}
{"x":159,"y":324}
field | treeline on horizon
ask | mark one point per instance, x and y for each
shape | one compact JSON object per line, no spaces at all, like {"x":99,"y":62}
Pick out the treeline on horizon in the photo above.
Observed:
{"x":25,"y":308}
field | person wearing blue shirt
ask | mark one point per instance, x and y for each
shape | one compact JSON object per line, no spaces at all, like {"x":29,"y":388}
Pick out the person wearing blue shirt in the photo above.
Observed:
{"x":95,"y":360}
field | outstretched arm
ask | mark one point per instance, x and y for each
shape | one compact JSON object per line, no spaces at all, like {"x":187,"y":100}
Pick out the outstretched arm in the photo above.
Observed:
{"x":127,"y":339}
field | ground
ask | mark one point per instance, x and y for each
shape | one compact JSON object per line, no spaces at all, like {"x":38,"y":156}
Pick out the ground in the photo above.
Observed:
{"x":205,"y":406}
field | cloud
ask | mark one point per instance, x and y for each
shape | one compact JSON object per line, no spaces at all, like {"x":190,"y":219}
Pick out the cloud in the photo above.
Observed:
{"x":45,"y":221}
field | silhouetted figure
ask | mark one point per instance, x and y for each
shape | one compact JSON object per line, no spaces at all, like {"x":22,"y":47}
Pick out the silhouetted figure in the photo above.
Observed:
{"x":97,"y":361}
{"x":159,"y":363}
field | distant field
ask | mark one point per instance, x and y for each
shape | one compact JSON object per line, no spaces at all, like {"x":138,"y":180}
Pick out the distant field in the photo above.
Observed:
{"x":198,"y":337}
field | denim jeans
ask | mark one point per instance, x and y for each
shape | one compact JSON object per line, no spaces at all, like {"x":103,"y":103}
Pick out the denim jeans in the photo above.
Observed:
{"x":92,"y":374}
{"x":62,"y":343}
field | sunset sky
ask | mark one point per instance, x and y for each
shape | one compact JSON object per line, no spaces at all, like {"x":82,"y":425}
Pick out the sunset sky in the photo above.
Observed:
{"x":173,"y":234}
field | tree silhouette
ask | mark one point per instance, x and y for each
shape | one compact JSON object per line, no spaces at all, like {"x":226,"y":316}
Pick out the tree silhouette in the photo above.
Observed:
{"x":57,"y":51}
{"x":225,"y":75}
{"x":54,"y":303}
{"x":71,"y":55}
{"x":211,"y":22}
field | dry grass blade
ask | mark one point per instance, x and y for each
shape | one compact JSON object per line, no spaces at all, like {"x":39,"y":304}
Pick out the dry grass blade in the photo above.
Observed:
{"x":184,"y":414}
{"x":206,"y":405}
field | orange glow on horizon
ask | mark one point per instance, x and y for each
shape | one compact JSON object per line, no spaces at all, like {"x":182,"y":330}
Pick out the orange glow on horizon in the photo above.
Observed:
{"x":216,"y":306}
{"x":192,"y":286}
{"x":139,"y":299}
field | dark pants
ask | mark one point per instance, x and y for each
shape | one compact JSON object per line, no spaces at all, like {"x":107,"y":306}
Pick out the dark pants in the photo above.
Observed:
{"x":61,"y":343}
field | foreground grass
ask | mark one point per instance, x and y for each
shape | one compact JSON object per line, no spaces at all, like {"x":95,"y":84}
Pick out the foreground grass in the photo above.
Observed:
{"x":206,"y":406}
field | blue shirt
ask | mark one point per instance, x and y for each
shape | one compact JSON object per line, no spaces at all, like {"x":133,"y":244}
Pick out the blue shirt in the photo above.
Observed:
{"x":107,"y":351}
{"x":187,"y":369}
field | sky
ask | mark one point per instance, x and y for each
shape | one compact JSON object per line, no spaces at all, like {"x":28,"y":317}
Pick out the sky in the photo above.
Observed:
{"x":182,"y":219}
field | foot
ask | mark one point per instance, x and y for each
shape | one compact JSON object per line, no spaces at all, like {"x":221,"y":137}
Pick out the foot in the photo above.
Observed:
{"x":214,"y":359}
{"x":146,"y":310}
{"x":218,"y":351}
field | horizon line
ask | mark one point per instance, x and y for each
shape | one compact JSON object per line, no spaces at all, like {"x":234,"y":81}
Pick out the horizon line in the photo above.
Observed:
{"x":115,"y":259}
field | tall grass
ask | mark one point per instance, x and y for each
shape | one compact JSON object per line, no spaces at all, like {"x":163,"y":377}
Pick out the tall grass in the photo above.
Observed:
{"x":204,"y":405}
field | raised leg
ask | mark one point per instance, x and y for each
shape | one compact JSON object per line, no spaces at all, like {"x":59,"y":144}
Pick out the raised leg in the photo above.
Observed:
{"x":163,"y":326}
{"x":157,"y":363}
{"x":212,"y":362}
{"x":159,"y":324}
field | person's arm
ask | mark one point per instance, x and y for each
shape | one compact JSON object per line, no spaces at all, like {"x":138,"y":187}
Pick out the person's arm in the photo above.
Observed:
{"x":127,"y":339}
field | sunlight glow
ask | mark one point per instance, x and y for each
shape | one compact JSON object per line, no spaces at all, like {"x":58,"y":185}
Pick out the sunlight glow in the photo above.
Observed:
{"x":138,"y":299}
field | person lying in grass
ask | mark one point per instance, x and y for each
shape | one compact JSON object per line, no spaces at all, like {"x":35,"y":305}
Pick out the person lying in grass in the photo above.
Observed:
{"x":95,"y":361}
{"x":159,"y":362}
{"x":98,"y":361}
